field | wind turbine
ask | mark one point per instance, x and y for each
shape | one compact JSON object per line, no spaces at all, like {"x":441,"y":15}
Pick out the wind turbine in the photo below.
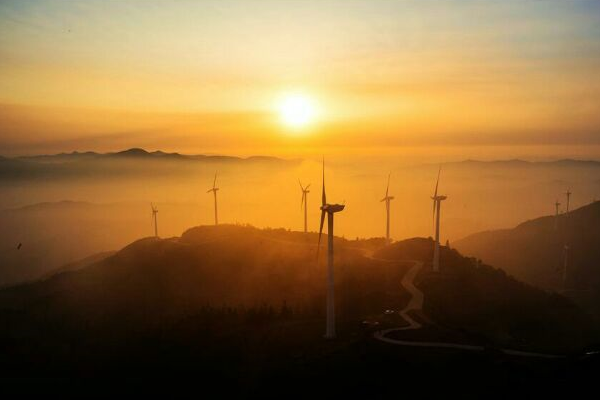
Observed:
{"x":568,"y":193}
{"x":330,"y":210}
{"x":214,"y":190}
{"x":387,"y":200}
{"x":437,"y":202}
{"x":154,"y":214}
{"x":556,"y":204}
{"x":304,"y":202}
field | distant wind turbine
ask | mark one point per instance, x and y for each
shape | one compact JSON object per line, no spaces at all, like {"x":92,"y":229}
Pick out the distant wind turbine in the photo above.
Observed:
{"x":556,"y":204}
{"x":387,"y":200}
{"x":330,"y":210}
{"x":304,"y":202}
{"x":214,"y":190}
{"x":154,"y":214}
{"x":437,"y":202}
{"x":568,"y":193}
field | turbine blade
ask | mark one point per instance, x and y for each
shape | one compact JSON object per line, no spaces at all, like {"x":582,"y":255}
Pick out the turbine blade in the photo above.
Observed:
{"x":387,"y":190}
{"x":437,"y":182}
{"x":300,"y":183}
{"x":324,"y":196}
{"x":320,"y":232}
{"x":306,"y":188}
{"x":302,"y":201}
{"x":215,"y":181}
{"x":433,"y":219}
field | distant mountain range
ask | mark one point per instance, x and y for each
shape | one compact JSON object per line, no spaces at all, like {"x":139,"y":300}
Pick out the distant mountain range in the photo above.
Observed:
{"x":140,"y":154}
{"x":76,"y":164}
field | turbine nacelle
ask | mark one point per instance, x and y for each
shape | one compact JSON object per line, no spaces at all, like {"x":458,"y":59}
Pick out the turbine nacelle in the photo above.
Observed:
{"x":439,"y":198}
{"x":332,"y":208}
{"x":388,"y":198}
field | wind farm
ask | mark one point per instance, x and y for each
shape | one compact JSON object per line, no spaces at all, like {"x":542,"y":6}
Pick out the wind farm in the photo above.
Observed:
{"x":451,"y":249}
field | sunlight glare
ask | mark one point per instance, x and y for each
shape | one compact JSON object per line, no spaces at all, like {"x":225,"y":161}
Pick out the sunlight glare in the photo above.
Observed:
{"x":297,"y":110}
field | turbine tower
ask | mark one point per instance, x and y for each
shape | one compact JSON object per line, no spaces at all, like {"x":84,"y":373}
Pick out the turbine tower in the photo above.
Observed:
{"x":437,"y":203}
{"x":304,"y":202}
{"x":214,"y":190}
{"x":330,"y":210}
{"x":556,"y":204}
{"x":154,"y":214}
{"x":387,"y":200}
{"x":568,"y":193}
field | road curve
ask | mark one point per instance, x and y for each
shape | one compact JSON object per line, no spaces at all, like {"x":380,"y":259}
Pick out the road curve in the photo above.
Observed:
{"x":416,"y":304}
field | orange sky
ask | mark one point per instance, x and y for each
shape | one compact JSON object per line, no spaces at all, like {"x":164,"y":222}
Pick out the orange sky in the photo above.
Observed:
{"x":207,"y":76}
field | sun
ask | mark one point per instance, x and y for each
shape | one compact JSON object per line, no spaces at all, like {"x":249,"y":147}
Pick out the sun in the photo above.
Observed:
{"x":297,"y":110}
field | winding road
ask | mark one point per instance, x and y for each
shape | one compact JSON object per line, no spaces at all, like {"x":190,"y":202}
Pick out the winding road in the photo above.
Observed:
{"x":416,"y":304}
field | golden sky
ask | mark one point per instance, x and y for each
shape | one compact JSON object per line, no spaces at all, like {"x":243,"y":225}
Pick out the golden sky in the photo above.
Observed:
{"x":207,"y":76}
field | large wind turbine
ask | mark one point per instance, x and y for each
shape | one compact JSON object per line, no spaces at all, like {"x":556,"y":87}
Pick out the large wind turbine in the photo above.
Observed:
{"x":330,"y":210}
{"x":387,"y":200}
{"x":304,"y":202}
{"x":214,"y":190}
{"x":154,"y":214}
{"x":437,"y":202}
{"x":556,"y":204}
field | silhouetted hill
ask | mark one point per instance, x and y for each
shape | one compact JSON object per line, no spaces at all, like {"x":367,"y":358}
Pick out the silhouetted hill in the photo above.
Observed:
{"x":242,"y":308}
{"x":534,"y":250}
{"x":240,"y":266}
{"x":228,"y":265}
{"x":484,"y":302}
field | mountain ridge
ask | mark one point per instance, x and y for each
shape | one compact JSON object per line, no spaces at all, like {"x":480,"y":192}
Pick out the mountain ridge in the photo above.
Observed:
{"x":534,"y":249}
{"x":138,"y":153}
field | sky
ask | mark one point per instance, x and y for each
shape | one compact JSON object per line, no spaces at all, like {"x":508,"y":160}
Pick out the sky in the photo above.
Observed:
{"x":487,"y":79}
